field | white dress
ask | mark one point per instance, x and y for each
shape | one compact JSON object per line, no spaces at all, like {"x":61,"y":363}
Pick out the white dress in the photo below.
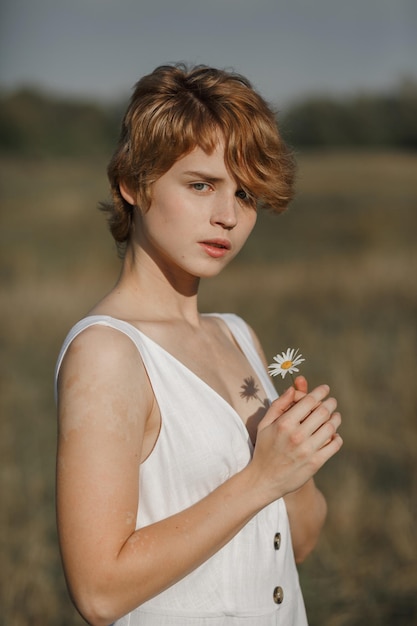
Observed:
{"x":252,"y":580}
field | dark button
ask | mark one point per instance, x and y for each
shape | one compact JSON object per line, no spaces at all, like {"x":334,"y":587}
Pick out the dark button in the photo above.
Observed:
{"x":278,"y":595}
{"x":277,"y":541}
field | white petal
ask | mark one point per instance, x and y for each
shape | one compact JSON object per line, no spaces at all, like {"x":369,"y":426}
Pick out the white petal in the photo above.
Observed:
{"x":298,"y":361}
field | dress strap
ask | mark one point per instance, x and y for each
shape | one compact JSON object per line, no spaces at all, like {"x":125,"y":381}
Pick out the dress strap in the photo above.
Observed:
{"x":244,"y":338}
{"x":93,"y":320}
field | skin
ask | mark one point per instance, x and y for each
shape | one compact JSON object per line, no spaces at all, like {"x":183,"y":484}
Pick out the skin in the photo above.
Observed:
{"x":109,"y":420}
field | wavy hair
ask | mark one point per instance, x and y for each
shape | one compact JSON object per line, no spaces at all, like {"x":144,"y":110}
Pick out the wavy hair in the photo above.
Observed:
{"x":175,"y":109}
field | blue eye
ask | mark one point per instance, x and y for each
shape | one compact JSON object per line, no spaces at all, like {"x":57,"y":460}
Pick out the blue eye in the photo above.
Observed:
{"x":200,"y":186}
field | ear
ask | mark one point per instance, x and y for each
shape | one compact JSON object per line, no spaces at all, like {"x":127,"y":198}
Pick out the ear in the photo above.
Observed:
{"x":127,"y":194}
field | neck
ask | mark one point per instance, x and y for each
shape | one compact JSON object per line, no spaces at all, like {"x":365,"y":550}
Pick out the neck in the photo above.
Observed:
{"x":155,"y":291}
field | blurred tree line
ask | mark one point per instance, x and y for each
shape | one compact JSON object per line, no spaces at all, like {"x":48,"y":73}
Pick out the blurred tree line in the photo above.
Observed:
{"x":33,"y":123}
{"x":367,"y":120}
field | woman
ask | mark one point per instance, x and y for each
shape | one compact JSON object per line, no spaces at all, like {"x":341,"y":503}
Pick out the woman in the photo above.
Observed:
{"x":177,"y":504}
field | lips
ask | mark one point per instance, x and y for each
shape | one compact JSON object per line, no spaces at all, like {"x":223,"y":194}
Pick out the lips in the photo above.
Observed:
{"x":217,"y":243}
{"x":216,"y":248}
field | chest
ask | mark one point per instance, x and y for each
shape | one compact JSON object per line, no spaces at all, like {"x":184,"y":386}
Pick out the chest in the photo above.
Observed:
{"x":219,"y":362}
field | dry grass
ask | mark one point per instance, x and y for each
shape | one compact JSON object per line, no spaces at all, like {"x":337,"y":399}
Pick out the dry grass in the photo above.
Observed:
{"x":335,"y":276}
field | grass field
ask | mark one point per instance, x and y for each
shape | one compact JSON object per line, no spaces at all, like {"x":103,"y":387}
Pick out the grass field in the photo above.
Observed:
{"x":335,"y":276}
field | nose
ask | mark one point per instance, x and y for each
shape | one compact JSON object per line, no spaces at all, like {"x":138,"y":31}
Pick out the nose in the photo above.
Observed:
{"x":224,"y":213}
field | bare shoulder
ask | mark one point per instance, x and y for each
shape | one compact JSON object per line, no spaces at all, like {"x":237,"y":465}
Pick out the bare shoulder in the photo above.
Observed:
{"x":99,"y":349}
{"x":102,"y":368}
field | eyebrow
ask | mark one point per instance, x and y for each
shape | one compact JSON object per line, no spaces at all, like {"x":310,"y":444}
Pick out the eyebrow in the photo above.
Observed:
{"x":204,"y":175}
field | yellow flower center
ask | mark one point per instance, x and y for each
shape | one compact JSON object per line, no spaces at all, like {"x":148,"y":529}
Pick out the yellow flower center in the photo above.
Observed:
{"x":286,"y":365}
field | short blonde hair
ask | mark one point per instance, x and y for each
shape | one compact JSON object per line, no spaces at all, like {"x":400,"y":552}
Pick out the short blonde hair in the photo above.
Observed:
{"x":175,"y":109}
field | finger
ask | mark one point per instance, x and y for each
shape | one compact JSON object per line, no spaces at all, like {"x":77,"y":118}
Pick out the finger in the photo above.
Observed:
{"x":327,"y":431}
{"x":330,"y":449}
{"x":320,"y":415}
{"x":336,"y":418}
{"x":308,"y":403}
{"x":300,"y":384}
{"x":278,"y":407}
{"x":298,"y":395}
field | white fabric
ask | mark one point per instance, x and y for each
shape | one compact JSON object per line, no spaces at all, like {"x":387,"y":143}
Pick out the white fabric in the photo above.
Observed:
{"x":201,"y":444}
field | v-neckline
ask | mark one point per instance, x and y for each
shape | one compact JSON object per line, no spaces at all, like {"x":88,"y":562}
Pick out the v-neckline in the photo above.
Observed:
{"x":190,"y":371}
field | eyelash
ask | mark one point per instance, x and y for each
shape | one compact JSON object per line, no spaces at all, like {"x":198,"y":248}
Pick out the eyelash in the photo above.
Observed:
{"x":195,"y":185}
{"x":241,"y":194}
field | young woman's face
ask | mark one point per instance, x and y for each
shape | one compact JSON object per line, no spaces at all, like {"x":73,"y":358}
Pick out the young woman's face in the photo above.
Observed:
{"x":199,"y":218}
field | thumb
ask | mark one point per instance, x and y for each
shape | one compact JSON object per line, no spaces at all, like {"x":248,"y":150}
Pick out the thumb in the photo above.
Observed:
{"x":301,"y":384}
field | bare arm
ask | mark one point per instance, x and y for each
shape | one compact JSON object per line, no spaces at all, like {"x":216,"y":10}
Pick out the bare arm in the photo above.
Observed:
{"x":104,"y":408}
{"x":307,"y":511}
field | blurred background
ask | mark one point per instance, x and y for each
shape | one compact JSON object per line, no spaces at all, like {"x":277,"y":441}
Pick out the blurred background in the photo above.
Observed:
{"x":336,"y":275}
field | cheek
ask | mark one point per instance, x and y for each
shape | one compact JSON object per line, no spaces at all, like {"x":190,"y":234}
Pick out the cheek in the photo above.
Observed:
{"x":171,"y":208}
{"x":247,"y":226}
{"x":249,"y":223}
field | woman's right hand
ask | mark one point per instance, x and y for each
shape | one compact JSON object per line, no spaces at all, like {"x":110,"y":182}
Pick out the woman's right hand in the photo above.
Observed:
{"x":297,"y":435}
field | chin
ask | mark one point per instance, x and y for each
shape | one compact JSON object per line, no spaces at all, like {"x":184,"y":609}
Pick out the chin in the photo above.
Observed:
{"x":213,"y":270}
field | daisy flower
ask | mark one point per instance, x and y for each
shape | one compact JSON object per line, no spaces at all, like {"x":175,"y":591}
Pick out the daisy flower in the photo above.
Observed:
{"x":286,"y":363}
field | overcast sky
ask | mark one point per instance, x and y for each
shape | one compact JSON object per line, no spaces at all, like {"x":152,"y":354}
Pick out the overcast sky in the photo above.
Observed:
{"x":287,"y":48}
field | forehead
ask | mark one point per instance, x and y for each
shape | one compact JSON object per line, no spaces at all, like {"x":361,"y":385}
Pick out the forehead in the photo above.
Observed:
{"x":199,"y":161}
